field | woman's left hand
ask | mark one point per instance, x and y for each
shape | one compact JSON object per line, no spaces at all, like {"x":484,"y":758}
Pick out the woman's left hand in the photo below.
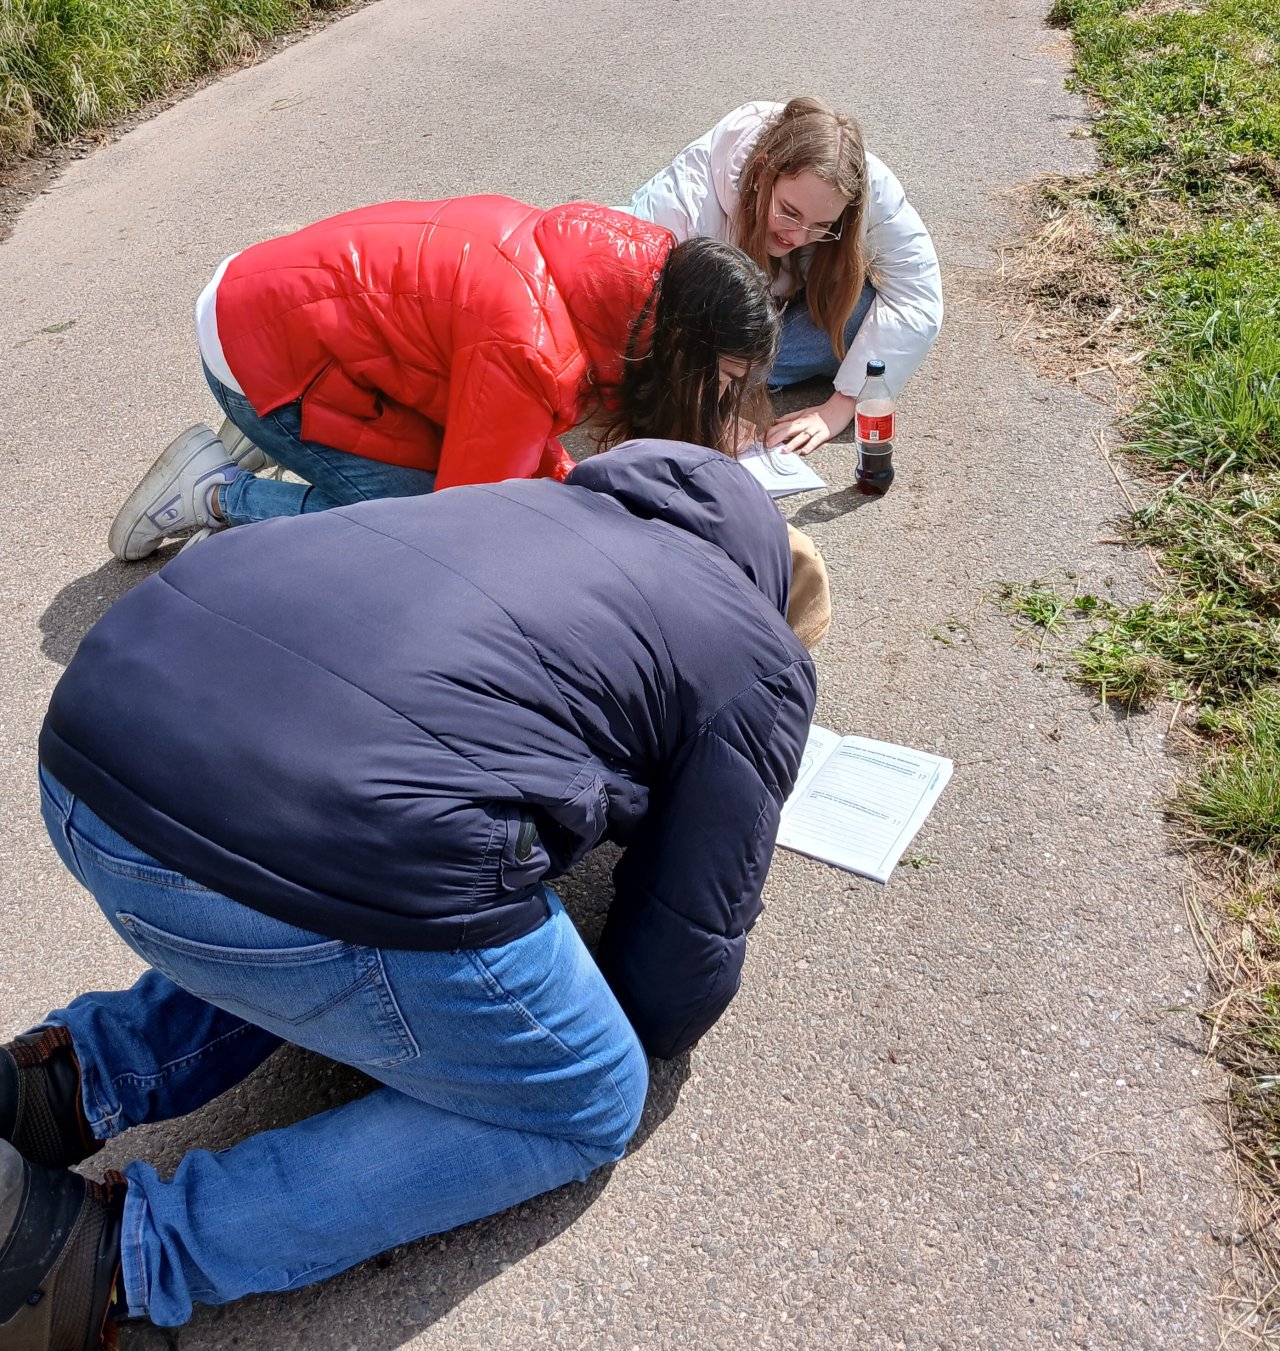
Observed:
{"x":804,"y":431}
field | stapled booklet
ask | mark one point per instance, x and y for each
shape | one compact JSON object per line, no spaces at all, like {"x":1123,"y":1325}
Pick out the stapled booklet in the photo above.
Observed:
{"x":779,"y":474}
{"x":858,"y":803}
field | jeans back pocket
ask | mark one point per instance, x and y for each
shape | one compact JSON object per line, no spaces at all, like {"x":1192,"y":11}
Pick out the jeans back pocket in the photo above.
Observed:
{"x":331,"y":997}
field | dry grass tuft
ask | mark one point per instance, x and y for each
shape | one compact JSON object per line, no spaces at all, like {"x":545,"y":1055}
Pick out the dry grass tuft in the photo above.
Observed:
{"x":1243,"y":961}
{"x":1062,"y":277}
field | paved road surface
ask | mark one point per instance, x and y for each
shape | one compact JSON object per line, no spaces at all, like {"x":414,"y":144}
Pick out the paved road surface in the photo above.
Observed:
{"x":949,"y":1113}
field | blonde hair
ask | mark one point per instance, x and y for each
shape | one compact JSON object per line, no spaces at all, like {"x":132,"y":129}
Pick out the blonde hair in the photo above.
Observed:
{"x":809,"y":137}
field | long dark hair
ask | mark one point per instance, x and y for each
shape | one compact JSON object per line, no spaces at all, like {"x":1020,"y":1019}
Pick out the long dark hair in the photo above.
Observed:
{"x":809,"y":137}
{"x":710,"y":301}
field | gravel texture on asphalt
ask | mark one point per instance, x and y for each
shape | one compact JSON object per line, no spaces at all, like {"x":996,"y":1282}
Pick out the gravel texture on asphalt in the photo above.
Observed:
{"x":952,"y":1112}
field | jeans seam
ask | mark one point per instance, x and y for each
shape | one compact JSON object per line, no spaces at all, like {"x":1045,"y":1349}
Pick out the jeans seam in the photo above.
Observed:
{"x":575,"y":1056}
{"x":62,"y":814}
{"x":136,"y":1264}
{"x":96,"y":1111}
{"x":353,"y":487}
{"x":392,"y":1011}
{"x":276,"y":959}
{"x":64,"y":810}
{"x":169,"y":1067}
{"x":139,"y":872}
{"x":499,"y":991}
{"x":366,"y":977}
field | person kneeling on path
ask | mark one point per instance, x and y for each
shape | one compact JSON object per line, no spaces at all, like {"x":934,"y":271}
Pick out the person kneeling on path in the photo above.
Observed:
{"x":454,"y":700}
{"x":401,"y":348}
{"x":849,"y":256}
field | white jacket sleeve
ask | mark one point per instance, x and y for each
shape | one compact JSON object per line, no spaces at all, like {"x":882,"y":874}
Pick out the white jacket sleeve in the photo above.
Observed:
{"x":907,"y":314}
{"x":697,"y":193}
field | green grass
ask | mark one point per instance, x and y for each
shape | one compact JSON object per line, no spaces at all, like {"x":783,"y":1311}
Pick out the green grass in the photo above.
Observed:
{"x":1225,"y":542}
{"x":1185,"y":645}
{"x":1039,"y":604}
{"x":1234,"y":799}
{"x":67,"y":66}
{"x":1213,"y":300}
{"x":1193,"y":92}
{"x":1213,"y":635}
{"x":1188,"y":129}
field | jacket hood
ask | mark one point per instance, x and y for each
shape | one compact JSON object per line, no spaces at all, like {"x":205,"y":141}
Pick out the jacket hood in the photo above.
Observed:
{"x":704,"y":492}
{"x":604,"y":264}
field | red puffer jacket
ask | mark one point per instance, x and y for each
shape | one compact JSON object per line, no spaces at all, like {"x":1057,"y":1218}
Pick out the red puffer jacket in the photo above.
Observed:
{"x":456,"y":335}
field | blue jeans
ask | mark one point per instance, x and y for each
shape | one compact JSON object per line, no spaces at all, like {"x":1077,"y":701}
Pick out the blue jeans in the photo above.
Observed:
{"x":334,"y":478}
{"x":507,"y":1071}
{"x":805,"y":350}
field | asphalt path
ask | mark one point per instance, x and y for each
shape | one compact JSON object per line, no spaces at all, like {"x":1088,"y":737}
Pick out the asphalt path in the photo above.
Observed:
{"x":952,"y":1112}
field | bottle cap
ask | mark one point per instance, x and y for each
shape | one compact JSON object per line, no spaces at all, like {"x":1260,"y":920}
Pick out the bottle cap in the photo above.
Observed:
{"x":875,"y":367}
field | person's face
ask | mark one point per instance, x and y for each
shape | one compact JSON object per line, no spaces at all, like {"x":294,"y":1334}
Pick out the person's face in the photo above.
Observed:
{"x":802,"y":209}
{"x":731,"y":369}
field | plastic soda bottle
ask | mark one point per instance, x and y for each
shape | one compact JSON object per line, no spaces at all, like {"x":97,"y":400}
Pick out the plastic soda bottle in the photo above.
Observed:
{"x":873,"y":430}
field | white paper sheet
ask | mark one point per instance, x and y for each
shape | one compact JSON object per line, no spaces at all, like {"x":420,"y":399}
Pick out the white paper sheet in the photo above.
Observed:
{"x":858,"y":803}
{"x":779,"y":474}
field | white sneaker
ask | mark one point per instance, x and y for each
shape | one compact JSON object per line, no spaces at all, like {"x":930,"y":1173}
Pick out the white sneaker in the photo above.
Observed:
{"x":202,"y":534}
{"x":242,"y":451}
{"x":173,"y":497}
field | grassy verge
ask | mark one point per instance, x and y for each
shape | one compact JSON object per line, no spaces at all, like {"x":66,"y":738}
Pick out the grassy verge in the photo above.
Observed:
{"x":1174,"y":250}
{"x":68,"y":66}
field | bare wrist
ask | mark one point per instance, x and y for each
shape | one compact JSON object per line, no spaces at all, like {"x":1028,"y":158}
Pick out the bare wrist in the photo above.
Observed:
{"x":839,"y":411}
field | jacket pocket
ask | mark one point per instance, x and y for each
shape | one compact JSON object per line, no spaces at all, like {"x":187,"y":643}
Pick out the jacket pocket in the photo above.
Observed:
{"x":522,"y":858}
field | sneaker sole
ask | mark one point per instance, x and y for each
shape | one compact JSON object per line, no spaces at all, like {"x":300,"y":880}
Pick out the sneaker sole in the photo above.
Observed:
{"x":132,"y":536}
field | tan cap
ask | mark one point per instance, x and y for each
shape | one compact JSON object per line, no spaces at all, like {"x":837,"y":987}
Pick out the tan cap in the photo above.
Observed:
{"x":809,"y":607}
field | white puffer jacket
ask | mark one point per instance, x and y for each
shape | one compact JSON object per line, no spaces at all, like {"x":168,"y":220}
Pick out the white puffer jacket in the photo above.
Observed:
{"x":697,"y":194}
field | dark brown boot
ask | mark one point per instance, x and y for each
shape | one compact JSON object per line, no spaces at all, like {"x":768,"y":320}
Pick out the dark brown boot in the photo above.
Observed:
{"x":41,"y":1112}
{"x":59,"y":1257}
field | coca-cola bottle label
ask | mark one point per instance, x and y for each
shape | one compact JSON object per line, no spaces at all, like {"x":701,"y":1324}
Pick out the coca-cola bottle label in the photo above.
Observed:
{"x":872,"y":428}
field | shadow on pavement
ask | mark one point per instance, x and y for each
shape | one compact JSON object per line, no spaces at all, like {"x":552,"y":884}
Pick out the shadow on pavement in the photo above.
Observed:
{"x":384,"y":1302}
{"x":830,"y":507}
{"x":80,"y":604}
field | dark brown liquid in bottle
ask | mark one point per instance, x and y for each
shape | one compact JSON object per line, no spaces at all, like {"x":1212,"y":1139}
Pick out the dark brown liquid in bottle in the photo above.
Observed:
{"x":875,"y":469}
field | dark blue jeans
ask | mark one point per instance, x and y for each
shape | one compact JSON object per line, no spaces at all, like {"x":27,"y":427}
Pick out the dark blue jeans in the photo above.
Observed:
{"x":334,"y":478}
{"x":806,"y":351}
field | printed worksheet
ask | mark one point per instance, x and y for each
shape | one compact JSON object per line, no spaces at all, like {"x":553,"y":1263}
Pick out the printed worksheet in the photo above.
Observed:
{"x":780,"y":475}
{"x":858,"y":803}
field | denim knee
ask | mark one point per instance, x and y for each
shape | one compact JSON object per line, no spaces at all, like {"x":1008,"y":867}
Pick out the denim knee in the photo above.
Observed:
{"x":611,"y":1131}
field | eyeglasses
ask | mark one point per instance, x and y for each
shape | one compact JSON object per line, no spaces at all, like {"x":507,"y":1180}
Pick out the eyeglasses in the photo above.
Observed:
{"x":815,"y":234}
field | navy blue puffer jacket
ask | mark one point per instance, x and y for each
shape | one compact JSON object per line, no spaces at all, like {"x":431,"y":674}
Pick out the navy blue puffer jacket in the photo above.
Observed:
{"x":390,"y":723}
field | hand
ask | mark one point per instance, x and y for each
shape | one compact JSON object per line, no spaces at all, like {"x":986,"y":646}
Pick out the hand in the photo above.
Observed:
{"x":803,"y":432}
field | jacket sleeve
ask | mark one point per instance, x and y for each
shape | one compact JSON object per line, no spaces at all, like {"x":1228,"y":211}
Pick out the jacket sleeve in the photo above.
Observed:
{"x":688,"y":887}
{"x":697,"y":193}
{"x":907,"y":314}
{"x":502,"y":405}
